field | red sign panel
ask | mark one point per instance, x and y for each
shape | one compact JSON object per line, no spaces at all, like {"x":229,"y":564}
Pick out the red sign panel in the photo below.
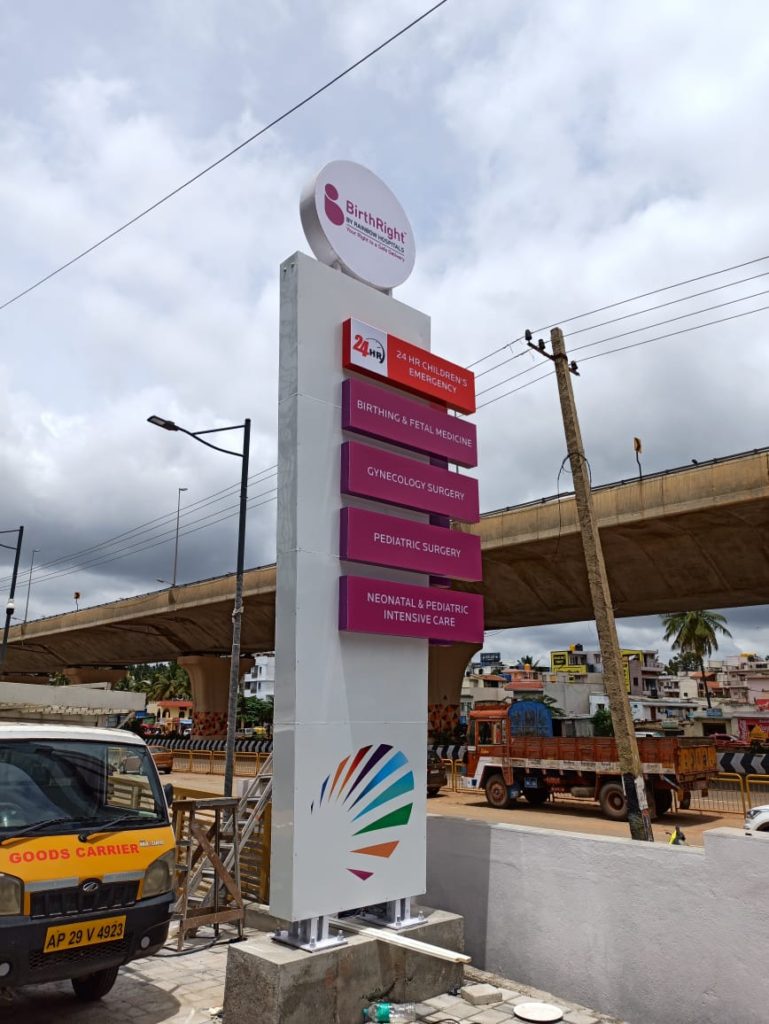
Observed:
{"x":376,"y":353}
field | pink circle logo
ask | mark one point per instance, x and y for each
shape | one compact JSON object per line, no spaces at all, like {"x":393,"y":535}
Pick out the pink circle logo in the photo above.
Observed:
{"x":333,"y":210}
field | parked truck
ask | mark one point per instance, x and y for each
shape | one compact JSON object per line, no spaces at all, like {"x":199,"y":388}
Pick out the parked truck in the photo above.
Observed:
{"x":512,"y":752}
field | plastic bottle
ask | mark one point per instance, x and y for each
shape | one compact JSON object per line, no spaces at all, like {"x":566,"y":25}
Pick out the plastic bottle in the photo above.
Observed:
{"x":390,"y":1013}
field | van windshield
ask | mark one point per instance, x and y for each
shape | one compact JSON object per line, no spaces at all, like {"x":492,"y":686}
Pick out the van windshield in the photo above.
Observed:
{"x":71,"y":783}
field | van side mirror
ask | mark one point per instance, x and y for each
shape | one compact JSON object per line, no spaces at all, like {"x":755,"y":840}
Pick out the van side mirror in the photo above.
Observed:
{"x":168,"y":793}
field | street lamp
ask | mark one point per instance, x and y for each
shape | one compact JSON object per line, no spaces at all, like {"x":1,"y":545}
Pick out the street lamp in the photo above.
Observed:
{"x":237,"y":613}
{"x":11,"y":605}
{"x":176,"y":542}
{"x":29,"y":583}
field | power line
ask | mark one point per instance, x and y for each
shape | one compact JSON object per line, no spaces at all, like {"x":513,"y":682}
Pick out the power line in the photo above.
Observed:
{"x":672,"y":334}
{"x":152,"y":524}
{"x":622,"y":348}
{"x":661,"y":323}
{"x":196,"y":177}
{"x":670,"y":302}
{"x":671,"y":320}
{"x":623,"y":302}
{"x":116,"y":558}
{"x":629,"y":316}
{"x":149,"y":543}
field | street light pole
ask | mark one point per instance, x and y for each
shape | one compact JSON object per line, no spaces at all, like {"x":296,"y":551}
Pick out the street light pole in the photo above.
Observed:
{"x":10,"y":606}
{"x":176,"y":542}
{"x":237,"y":612}
{"x":29,"y":583}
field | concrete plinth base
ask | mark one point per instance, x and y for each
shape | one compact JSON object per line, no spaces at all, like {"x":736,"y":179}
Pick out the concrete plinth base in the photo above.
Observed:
{"x":273,"y":984}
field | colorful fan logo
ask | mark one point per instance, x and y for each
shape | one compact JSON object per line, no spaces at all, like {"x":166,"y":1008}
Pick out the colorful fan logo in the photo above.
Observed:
{"x":374,"y":787}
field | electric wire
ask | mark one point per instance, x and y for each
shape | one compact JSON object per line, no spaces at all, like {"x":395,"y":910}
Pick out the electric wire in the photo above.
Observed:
{"x":628,"y":316}
{"x":114,"y":557}
{"x":623,"y":348}
{"x":152,"y":524}
{"x":623,"y":302}
{"x":671,"y":334}
{"x":226,"y":156}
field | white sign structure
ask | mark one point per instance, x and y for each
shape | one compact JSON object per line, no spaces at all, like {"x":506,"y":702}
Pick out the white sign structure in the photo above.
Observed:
{"x":352,"y":220}
{"x":350,"y":732}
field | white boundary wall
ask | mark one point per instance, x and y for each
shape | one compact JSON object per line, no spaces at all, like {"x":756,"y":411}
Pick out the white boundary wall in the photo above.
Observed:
{"x":655,"y":934}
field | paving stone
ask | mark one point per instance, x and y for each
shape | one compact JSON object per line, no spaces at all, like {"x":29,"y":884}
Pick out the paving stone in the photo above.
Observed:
{"x":441,"y":1002}
{"x":491,"y":1017}
{"x":580,"y":1017}
{"x":481,"y":994}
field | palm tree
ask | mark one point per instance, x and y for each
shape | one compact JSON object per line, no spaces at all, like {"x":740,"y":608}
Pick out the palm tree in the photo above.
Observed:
{"x":527,"y":659}
{"x":695,"y":633}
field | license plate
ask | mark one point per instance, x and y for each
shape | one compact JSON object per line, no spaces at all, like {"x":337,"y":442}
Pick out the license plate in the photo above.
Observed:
{"x":70,"y":936}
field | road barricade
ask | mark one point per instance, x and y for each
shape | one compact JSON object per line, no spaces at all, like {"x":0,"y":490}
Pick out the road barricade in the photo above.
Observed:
{"x":757,"y":789}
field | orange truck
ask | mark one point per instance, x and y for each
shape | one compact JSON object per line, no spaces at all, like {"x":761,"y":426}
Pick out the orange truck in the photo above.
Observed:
{"x":506,"y":764}
{"x":87,"y":856}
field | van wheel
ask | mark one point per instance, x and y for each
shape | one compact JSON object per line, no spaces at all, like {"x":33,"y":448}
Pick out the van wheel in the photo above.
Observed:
{"x":613,"y":802}
{"x":91,"y":987}
{"x":496,"y":793}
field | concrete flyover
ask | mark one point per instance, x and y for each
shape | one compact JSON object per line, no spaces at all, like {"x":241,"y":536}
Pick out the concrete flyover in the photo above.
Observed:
{"x":693,"y":537}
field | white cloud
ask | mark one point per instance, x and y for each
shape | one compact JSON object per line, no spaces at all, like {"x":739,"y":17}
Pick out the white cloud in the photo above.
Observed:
{"x":553,"y":158}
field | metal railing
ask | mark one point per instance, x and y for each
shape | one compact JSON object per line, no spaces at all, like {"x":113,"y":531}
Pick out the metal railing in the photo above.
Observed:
{"x":727,"y":792}
{"x":725,"y":795}
{"x":211,"y":762}
{"x":757,"y":789}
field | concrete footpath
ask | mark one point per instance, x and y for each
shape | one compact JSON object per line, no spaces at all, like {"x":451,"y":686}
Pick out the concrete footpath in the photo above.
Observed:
{"x":189,"y":989}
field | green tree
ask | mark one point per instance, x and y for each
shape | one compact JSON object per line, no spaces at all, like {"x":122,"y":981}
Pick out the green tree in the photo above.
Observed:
{"x":527,"y":659}
{"x":254,"y":710}
{"x":602,"y":723}
{"x":683,"y":662}
{"x":161,"y":681}
{"x":695,"y":633}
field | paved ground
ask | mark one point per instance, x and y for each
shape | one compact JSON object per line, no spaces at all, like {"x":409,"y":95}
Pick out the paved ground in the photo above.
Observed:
{"x":186,"y":989}
{"x":563,"y":816}
{"x":178,"y":989}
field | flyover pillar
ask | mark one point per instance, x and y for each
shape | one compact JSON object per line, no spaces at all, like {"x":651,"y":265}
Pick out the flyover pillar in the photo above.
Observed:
{"x":446,"y":670}
{"x":80,"y":676}
{"x":210,"y":683}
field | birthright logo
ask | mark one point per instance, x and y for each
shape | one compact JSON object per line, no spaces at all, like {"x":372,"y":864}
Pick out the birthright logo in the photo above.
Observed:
{"x":333,"y":210}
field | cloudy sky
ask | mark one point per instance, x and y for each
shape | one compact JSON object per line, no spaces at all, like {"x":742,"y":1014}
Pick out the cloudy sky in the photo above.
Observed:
{"x":553,"y":158}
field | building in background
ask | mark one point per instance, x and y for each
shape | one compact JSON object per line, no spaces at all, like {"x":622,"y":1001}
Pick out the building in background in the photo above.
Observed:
{"x":259,"y":681}
{"x":642,"y":669}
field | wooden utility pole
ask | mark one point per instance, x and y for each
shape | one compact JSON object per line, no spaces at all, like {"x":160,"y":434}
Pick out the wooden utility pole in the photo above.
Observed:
{"x":613,"y":675}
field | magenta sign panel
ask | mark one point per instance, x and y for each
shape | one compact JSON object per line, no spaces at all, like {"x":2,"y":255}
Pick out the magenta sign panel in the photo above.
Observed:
{"x":373,"y":473}
{"x":387,"y":415}
{"x":403,"y":544}
{"x":401,"y":609}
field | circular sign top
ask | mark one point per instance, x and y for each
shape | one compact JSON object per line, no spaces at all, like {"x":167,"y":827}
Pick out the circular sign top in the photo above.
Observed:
{"x":351,"y":218}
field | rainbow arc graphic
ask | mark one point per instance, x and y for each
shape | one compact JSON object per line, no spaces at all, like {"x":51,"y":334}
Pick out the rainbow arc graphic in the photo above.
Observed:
{"x":375,"y":785}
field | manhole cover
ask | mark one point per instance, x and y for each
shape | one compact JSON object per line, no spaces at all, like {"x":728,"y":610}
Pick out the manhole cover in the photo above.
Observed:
{"x":541,"y":1013}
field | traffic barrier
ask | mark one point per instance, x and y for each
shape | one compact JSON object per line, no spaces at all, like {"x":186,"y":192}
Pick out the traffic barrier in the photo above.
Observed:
{"x":725,"y":795}
{"x":757,"y":787}
{"x":212,"y":762}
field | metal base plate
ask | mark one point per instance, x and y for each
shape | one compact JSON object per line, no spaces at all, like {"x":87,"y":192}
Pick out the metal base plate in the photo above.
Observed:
{"x":396,"y":914}
{"x":311,"y":935}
